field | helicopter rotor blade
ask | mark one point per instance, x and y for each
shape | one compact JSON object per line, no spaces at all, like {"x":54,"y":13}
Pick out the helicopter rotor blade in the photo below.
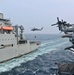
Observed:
{"x":54,"y":24}
{"x":58,"y":19}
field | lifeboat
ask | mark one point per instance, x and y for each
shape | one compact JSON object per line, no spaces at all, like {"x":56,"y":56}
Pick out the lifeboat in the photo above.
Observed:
{"x":7,"y":27}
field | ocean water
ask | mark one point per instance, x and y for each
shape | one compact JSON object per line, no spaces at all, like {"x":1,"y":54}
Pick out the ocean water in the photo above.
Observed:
{"x":42,"y":61}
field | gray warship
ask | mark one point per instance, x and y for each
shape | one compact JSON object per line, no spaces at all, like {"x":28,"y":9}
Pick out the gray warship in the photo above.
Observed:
{"x":12,"y":43}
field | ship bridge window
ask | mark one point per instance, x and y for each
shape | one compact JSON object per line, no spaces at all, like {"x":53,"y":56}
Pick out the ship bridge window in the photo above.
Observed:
{"x":8,"y":24}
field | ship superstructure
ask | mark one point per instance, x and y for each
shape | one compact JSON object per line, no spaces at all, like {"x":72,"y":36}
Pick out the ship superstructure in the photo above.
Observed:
{"x":13,"y":44}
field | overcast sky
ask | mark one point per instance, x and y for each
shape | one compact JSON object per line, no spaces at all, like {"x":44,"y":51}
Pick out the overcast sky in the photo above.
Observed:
{"x":38,"y":13}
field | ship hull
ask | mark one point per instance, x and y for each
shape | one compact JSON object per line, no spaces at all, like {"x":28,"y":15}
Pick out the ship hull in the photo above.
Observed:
{"x":8,"y":53}
{"x":12,"y":40}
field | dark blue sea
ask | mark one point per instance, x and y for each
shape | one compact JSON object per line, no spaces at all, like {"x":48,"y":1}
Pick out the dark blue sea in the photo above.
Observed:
{"x":42,"y":61}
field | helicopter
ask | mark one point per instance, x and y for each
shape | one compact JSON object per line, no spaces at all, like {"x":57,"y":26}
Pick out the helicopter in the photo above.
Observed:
{"x":36,"y":29}
{"x":65,"y":27}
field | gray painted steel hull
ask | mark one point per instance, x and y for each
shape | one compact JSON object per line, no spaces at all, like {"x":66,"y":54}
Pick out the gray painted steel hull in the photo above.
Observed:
{"x":8,"y":53}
